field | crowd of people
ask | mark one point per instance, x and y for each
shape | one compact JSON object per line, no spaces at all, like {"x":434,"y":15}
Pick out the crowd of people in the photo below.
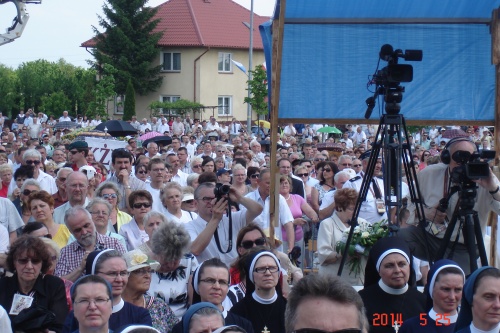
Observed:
{"x":177,"y":237}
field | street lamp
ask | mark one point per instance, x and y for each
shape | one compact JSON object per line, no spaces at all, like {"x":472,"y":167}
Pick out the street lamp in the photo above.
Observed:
{"x":250,"y":55}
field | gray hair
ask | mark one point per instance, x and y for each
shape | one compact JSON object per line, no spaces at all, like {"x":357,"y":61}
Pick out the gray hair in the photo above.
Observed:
{"x":152,"y":214}
{"x":195,"y":160}
{"x":192,"y":178}
{"x":201,"y":187}
{"x":170,"y":242}
{"x":323,"y":286}
{"x":205,"y":312}
{"x":32,"y":153}
{"x":64,"y":169}
{"x":239,"y":167}
{"x":108,"y":185}
{"x":344,"y":157}
{"x":5,"y":168}
{"x":74,"y":174}
{"x":170,"y":186}
{"x":74,"y":211}
{"x":340,"y":174}
{"x":32,"y":182}
{"x":99,"y":201}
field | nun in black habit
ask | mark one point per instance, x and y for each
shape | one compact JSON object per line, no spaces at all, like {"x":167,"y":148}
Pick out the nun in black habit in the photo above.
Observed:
{"x":389,"y":294}
{"x":263,"y":305}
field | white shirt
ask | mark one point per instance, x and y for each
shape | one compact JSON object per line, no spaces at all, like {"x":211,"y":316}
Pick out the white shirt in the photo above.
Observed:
{"x":213,"y":127}
{"x":162,"y":128}
{"x":185,"y":218}
{"x":157,"y":204}
{"x":64,"y":119}
{"x":47,"y":182}
{"x":195,"y":227}
{"x":289,"y":130}
{"x":61,"y":210}
{"x":4,"y":239}
{"x":348,"y":143}
{"x":234,"y":128}
{"x":133,"y":235}
{"x":143,"y":127}
{"x":180,"y":178}
{"x":358,"y":137}
{"x":368,"y":209}
{"x":5,"y":325}
{"x":95,"y":122}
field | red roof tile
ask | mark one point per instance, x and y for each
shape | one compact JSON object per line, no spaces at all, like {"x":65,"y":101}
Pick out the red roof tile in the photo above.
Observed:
{"x":205,"y":23}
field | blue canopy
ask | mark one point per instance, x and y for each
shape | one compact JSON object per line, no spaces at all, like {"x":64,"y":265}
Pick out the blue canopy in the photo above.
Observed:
{"x":331,"y":50}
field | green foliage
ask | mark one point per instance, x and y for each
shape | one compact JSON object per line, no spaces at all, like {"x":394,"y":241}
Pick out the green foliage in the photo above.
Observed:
{"x":128,"y":43}
{"x":104,"y":90}
{"x":129,"y":105}
{"x":9,"y":97}
{"x":258,"y":90}
{"x":180,"y":106}
{"x":55,"y":101}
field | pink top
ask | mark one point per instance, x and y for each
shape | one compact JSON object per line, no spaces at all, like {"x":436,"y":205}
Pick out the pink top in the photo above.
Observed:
{"x":297,"y":202}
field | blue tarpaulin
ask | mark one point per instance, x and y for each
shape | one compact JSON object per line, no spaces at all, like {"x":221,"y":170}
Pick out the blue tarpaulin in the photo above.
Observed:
{"x":331,"y":47}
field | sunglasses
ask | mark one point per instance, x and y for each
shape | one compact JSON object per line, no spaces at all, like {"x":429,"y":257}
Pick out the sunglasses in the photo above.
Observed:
{"x":30,"y":162}
{"x":356,"y":165}
{"x":327,"y":170}
{"x":302,"y":174}
{"x":28,"y":192}
{"x":142,"y":172}
{"x":25,"y":261}
{"x":141,"y":205}
{"x":197,"y":166}
{"x":109,"y":196}
{"x":248,"y":244}
{"x":189,"y":201}
{"x":346,"y":164}
{"x":255,"y":175}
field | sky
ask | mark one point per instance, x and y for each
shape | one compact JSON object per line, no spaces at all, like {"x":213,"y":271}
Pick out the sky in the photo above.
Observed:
{"x":56,"y":29}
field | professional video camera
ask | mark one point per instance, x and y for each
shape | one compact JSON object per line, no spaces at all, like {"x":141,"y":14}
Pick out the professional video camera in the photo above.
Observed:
{"x":472,"y":166}
{"x":388,"y":79}
{"x":221,"y":190}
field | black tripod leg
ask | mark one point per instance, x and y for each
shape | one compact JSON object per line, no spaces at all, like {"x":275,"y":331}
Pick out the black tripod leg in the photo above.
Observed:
{"x":480,"y":241}
{"x":469,"y":232}
{"x":446,"y":239}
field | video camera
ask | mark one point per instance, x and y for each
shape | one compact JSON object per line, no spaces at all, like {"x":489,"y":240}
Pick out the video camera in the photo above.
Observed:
{"x":472,"y":166}
{"x":221,"y":190}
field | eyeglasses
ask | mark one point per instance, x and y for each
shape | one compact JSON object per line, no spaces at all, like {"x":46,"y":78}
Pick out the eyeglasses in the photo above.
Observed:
{"x":314,"y":330}
{"x":142,"y":271}
{"x":30,"y":162}
{"x":327,"y":170}
{"x":255,"y":175}
{"x":28,"y":192}
{"x":302,"y":174}
{"x":248,"y":244}
{"x":346,"y":164}
{"x":141,"y":205}
{"x":349,"y":152}
{"x":207,"y":199}
{"x":109,"y":196}
{"x":86,"y":302}
{"x":142,"y":172}
{"x":262,"y":270}
{"x":196,"y":166}
{"x":189,"y":201}
{"x":211,"y":281}
{"x":25,"y":261}
{"x":356,"y":165}
{"x":104,"y":213}
{"x":115,"y":275}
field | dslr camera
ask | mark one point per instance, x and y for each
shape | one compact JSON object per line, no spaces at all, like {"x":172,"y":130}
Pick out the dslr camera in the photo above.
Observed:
{"x":221,"y":190}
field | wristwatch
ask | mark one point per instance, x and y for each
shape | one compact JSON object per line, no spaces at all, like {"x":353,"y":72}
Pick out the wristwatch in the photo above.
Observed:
{"x":128,"y":187}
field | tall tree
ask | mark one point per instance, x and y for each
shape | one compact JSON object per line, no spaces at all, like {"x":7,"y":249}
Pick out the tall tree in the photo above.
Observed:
{"x":128,"y":43}
{"x":258,"y":90}
{"x":129,"y":105}
{"x":9,"y":96}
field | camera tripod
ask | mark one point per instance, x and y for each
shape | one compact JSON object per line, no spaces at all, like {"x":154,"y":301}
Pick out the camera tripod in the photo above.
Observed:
{"x":394,"y":152}
{"x":469,"y":224}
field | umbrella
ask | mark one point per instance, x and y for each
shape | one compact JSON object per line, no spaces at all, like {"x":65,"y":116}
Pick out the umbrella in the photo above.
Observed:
{"x":149,"y":135}
{"x":116,"y":128}
{"x":337,"y":147}
{"x":329,"y":129}
{"x":66,"y":125}
{"x":263,"y":123}
{"x":164,"y":140}
{"x":454,"y":133}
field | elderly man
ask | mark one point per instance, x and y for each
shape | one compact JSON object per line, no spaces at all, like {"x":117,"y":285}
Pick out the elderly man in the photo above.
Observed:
{"x":178,"y":127}
{"x":135,"y":124}
{"x":76,"y":188}
{"x":327,"y":204}
{"x":61,"y":197}
{"x":59,"y":157}
{"x":96,"y":121}
{"x":144,"y":126}
{"x":324,"y":303}
{"x":154,"y":124}
{"x":34,"y":158}
{"x":152,"y":148}
{"x":346,"y":140}
{"x":163,"y":127}
{"x":64,"y":117}
{"x":177,"y":175}
{"x":345,"y":161}
{"x":121,"y":161}
{"x":71,"y":264}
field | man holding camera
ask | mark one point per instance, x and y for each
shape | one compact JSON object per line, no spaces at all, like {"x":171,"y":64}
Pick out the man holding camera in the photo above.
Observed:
{"x":213,"y":233}
{"x":435,"y":184}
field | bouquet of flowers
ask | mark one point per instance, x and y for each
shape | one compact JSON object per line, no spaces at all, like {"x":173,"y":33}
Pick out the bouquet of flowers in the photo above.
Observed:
{"x":363,"y":238}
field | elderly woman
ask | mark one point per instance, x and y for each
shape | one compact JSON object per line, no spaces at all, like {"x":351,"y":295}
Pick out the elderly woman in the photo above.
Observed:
{"x":29,"y":186}
{"x":239,"y":179}
{"x":444,"y":292}
{"x":170,"y":246}
{"x":50,"y":168}
{"x":480,"y":310}
{"x":299,"y":207}
{"x":192,"y":180}
{"x":171,"y":197}
{"x":202,"y":317}
{"x":188,"y":202}
{"x":6,"y":178}
{"x":141,"y":172}
{"x":110,"y":192}
{"x":196,"y":165}
{"x":220,"y":163}
{"x":141,"y":268}
{"x":303,"y":173}
{"x":29,"y":260}
{"x":331,"y":231}
{"x":112,"y":267}
{"x":263,"y":305}
{"x":100,"y":210}
{"x":41,"y":205}
{"x":389,"y":293}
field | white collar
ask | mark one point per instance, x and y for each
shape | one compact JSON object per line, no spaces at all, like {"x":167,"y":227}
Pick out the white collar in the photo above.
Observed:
{"x":474,"y":329}
{"x":118,"y":306}
{"x":264,"y":300}
{"x":390,"y":290}
{"x":450,"y":319}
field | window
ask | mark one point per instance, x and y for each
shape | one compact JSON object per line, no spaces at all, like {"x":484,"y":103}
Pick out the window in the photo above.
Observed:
{"x":119,"y":100}
{"x":171,"y":99}
{"x":225,"y":62}
{"x":171,"y":61}
{"x":225,"y":104}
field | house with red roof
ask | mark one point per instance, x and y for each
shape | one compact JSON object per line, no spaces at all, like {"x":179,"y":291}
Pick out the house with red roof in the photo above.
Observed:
{"x":201,"y":38}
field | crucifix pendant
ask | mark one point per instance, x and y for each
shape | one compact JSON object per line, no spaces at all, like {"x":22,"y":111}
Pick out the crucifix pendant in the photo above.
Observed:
{"x":396,"y":326}
{"x":266,"y":331}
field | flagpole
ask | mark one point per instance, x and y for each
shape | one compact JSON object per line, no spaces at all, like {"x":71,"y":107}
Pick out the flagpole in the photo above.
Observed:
{"x":250,"y":55}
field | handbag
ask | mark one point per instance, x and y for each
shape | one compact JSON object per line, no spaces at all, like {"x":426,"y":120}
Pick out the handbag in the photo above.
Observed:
{"x":34,"y":319}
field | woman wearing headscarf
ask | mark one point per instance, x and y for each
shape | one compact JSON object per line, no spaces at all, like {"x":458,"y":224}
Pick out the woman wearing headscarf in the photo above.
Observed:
{"x":389,"y":293}
{"x":480,"y":310}
{"x":263,"y":305}
{"x":202,"y":317}
{"x":443,"y":292}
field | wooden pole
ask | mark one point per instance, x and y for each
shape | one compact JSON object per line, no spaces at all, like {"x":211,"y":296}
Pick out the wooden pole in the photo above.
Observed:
{"x":277,"y":52}
{"x":495,"y":59}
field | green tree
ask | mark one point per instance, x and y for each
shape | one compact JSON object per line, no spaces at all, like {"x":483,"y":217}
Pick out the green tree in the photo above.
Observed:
{"x":181,"y":106}
{"x":128,"y":42}
{"x":9,"y":97}
{"x":258,"y":90}
{"x":103,"y":92}
{"x":55,"y":101}
{"x":129,"y":105}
